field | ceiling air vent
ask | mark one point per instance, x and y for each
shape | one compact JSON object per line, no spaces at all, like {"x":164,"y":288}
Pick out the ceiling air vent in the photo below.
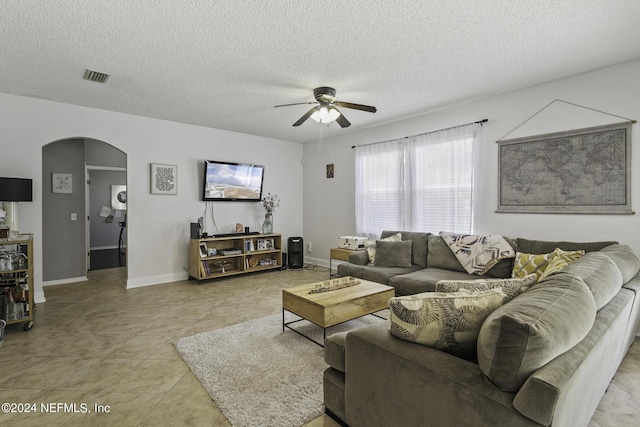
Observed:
{"x":95,"y":76}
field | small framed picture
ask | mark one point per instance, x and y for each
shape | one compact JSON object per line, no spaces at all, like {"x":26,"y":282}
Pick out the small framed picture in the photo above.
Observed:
{"x":262,"y":244}
{"x":330,"y":170}
{"x":269,"y":244}
{"x":61,"y":183}
{"x":164,"y":179}
{"x":203,"y":250}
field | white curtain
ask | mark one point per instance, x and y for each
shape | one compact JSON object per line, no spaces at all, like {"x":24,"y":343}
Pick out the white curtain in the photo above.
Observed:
{"x":380,"y":188}
{"x":420,"y":183}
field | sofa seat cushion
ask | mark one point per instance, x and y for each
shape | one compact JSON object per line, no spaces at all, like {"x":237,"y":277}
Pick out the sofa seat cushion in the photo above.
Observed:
{"x":373,"y":272}
{"x":445,"y":321}
{"x":425,"y":280}
{"x":511,"y":287}
{"x":600,"y":274}
{"x":534,"y":328}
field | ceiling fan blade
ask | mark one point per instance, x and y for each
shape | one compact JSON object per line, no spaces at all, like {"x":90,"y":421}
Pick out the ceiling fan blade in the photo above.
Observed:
{"x":342,"y":121}
{"x":297,"y":103}
{"x":360,"y":107}
{"x":304,"y":118}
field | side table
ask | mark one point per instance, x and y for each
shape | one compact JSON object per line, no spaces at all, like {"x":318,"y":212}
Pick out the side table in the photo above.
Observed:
{"x":340,"y":254}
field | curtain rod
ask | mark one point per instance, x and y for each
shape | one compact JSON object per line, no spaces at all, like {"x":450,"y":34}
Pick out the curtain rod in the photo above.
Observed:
{"x":480,"y":122}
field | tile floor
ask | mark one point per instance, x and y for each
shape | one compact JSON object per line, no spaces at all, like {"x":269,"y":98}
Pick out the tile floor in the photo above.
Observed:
{"x":98,"y":343}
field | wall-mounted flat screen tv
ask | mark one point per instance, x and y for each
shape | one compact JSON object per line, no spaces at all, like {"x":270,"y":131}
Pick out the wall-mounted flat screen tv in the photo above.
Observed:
{"x":226,"y":181}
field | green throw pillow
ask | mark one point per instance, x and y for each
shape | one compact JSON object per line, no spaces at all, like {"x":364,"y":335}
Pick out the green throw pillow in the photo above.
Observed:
{"x":526,"y":264}
{"x":559,"y":261}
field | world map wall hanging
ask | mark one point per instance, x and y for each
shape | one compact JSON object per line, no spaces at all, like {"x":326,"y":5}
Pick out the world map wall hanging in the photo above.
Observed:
{"x":580,"y":171}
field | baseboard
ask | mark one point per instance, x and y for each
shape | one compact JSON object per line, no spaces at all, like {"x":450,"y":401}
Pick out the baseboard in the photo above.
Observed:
{"x":317,"y":261}
{"x":64,"y":281}
{"x":156,"y":280}
{"x":335,"y":418}
{"x":38,"y":297}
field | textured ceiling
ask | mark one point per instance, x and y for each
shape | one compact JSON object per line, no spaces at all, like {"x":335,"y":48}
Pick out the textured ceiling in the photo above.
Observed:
{"x":226,"y":63}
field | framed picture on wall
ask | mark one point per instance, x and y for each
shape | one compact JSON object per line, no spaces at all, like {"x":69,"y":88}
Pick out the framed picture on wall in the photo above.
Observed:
{"x":582,"y":171}
{"x":61,"y":183}
{"x":330,"y":169}
{"x":164,"y":179}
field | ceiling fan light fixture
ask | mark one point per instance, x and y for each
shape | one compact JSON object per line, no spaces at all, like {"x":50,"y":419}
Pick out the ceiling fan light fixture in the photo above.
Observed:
{"x":325,"y":114}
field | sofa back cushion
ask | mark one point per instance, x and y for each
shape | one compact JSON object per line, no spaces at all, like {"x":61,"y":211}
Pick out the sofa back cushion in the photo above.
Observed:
{"x":599,"y":273}
{"x":534,"y":328}
{"x":441,"y":256}
{"x":543,"y":247}
{"x":625,"y":258}
{"x":419,"y":245}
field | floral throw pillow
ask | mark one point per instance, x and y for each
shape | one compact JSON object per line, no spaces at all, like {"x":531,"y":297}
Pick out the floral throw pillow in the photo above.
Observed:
{"x":447,"y":321}
{"x":511,"y":287}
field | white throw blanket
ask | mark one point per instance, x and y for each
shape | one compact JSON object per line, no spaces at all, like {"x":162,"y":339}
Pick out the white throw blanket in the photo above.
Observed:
{"x":478,"y":253}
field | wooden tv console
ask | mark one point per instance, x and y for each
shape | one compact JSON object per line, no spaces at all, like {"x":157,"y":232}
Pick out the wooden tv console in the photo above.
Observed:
{"x":215,"y":257}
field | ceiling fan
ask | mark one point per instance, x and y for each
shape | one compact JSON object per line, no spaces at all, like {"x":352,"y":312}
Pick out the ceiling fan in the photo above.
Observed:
{"x":326,"y":111}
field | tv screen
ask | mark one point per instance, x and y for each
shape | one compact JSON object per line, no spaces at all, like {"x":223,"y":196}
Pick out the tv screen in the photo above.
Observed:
{"x":225,"y":181}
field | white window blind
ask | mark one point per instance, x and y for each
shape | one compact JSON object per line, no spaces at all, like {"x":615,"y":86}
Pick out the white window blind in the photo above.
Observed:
{"x":421,"y":183}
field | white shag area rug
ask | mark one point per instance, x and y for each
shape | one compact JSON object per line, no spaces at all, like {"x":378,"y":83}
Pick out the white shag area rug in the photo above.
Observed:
{"x":259,"y":375}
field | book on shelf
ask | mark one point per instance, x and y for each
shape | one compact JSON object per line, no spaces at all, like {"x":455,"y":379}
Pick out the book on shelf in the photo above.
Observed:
{"x":231,"y":251}
{"x":205,"y":267}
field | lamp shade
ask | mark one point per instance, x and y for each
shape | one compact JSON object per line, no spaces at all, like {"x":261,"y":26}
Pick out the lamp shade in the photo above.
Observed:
{"x":325,"y":114}
{"x":16,"y":190}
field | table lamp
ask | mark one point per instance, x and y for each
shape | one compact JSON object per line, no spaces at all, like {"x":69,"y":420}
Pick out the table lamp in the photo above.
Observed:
{"x":12,"y":191}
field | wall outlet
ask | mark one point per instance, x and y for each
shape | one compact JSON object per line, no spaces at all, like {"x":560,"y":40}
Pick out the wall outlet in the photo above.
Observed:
{"x":74,"y":216}
{"x":309,"y":247}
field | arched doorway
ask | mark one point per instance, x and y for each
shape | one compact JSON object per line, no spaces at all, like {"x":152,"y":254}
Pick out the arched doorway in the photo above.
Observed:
{"x":65,"y":216}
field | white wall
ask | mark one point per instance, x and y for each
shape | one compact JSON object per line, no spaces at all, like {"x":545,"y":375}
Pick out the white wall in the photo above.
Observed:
{"x":329,"y":203}
{"x":158,"y":225}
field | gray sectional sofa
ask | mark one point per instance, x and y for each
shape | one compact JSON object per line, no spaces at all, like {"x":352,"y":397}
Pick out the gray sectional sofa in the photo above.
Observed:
{"x":545,"y":358}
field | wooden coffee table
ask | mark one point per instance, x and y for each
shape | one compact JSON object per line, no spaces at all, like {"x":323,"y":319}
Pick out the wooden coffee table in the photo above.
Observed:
{"x":331,"y":308}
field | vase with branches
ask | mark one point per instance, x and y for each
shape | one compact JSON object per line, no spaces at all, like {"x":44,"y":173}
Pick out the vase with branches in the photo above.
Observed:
{"x":270,"y":203}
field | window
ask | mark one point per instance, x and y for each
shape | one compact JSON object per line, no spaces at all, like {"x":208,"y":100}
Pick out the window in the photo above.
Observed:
{"x":421,"y":183}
